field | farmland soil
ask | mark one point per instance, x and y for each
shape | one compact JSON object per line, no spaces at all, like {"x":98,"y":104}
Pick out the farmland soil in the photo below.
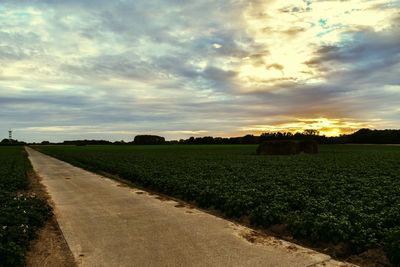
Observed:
{"x":106,"y":224}
{"x":371,"y":258}
{"x":49,"y":248}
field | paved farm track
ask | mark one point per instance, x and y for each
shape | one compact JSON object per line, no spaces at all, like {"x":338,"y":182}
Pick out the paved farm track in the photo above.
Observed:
{"x":108,"y":224}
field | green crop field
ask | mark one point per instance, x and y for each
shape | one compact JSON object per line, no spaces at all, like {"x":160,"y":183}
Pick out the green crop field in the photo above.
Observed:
{"x":346,"y":194}
{"x":21,"y":212}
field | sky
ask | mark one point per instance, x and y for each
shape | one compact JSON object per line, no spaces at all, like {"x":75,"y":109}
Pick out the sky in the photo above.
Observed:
{"x":100,"y":69}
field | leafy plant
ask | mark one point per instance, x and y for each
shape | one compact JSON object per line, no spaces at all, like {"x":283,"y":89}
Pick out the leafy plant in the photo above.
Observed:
{"x":345,"y":194}
{"x":21,"y":212}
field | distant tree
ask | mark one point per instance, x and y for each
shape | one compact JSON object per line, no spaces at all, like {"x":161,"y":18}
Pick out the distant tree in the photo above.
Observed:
{"x":311,"y":132}
{"x":148,"y":140}
{"x":122,"y":142}
{"x":5,"y":141}
{"x":367,"y":136}
{"x":45,"y":143}
{"x":219,"y":140}
{"x":361,"y":136}
{"x":86,"y":142}
{"x":249,"y":139}
{"x":206,"y":140}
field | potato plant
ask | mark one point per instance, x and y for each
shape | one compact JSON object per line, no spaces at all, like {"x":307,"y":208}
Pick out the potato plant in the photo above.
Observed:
{"x":345,"y":194}
{"x":21,"y":212}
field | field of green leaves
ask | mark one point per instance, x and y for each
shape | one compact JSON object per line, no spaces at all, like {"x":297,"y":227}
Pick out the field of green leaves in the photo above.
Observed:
{"x":346,"y":194}
{"x":21,"y":212}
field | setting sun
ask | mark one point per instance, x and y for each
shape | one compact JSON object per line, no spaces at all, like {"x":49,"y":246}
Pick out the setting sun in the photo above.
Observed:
{"x":216,"y":68}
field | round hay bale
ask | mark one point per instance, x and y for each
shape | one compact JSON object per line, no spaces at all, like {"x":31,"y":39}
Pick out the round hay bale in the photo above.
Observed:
{"x":308,"y":146}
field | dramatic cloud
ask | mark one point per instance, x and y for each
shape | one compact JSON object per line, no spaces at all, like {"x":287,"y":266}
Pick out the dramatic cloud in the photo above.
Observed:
{"x":114,"y":69}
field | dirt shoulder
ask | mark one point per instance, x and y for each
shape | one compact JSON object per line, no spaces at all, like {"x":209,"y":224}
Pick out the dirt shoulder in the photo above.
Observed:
{"x":50,"y":247}
{"x":108,"y":223}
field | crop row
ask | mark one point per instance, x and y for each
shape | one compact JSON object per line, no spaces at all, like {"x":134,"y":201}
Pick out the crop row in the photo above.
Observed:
{"x":344,"y":195}
{"x":21,"y":212}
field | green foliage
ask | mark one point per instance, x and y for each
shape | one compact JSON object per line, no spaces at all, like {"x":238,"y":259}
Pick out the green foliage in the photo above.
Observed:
{"x":21,"y":213}
{"x":149,"y":140}
{"x":346,"y":193}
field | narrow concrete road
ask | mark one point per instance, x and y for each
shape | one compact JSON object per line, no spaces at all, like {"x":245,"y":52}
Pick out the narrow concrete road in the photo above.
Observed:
{"x":108,"y":224}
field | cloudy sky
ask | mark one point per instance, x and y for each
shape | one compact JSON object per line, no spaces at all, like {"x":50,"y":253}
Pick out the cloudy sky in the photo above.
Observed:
{"x":112,"y":69}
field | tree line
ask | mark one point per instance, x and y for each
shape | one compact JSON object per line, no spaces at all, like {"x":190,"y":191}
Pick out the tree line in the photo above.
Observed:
{"x":362,"y":136}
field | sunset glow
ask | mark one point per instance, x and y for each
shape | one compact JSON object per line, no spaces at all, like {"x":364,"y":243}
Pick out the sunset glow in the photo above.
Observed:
{"x":113,"y":69}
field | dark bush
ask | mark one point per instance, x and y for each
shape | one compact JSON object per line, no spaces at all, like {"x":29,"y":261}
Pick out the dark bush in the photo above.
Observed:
{"x":149,"y":140}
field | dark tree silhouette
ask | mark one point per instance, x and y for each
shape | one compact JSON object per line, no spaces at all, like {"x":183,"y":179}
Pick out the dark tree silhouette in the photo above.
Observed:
{"x":149,"y":140}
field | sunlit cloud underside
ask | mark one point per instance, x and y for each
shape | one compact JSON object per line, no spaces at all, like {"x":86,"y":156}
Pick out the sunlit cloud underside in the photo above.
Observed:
{"x":114,"y":69}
